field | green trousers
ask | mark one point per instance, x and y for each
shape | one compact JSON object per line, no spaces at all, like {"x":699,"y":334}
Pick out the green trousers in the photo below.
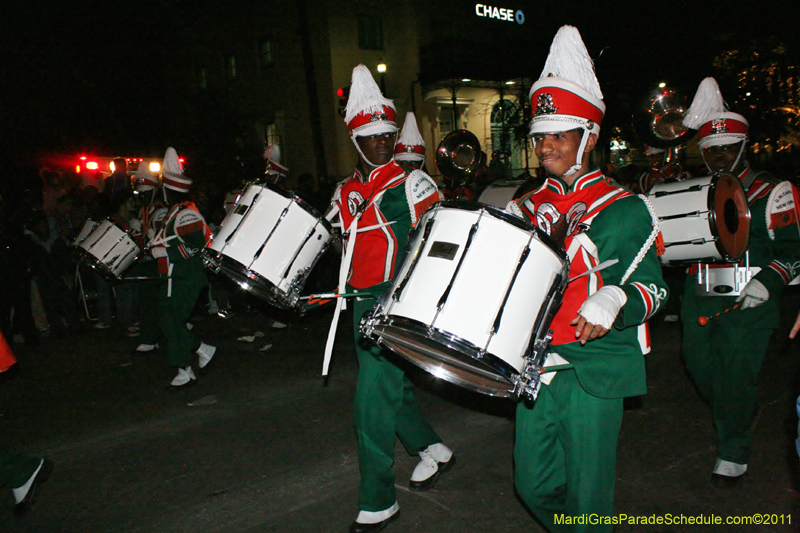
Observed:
{"x":724,"y":361}
{"x":16,"y":469}
{"x":173,"y":313}
{"x":385,"y":409}
{"x":565,"y":454}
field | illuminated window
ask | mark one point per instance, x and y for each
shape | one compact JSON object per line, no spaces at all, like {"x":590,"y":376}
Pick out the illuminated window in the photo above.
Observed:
{"x":370,"y":32}
{"x":265,"y":58}
{"x":230,"y":67}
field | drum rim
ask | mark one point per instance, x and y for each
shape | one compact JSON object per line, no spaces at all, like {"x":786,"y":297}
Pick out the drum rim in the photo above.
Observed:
{"x":289,"y":194}
{"x":514,"y":220}
{"x":257,"y":284}
{"x":712,"y":216}
{"x":498,"y":368}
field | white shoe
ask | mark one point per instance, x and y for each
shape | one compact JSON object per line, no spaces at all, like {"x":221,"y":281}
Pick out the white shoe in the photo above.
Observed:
{"x":204,"y":353}
{"x":728,"y":469}
{"x":434,"y":460}
{"x":278,"y":325}
{"x":185,"y":375}
{"x":144,"y":348}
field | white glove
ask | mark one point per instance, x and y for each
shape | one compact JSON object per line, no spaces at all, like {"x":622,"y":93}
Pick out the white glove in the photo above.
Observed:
{"x":753,"y":295}
{"x":602,"y":307}
{"x":158,"y":251}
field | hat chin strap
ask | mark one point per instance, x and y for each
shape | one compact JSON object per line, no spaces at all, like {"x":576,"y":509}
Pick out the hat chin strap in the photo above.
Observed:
{"x":579,"y":160}
{"x":735,"y":161}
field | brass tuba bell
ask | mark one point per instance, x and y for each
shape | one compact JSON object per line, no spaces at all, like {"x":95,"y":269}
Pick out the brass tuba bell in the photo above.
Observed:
{"x":660,"y":124}
{"x":458,"y":157}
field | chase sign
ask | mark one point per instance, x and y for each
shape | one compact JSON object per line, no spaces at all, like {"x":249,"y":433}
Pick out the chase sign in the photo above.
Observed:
{"x":500,"y":13}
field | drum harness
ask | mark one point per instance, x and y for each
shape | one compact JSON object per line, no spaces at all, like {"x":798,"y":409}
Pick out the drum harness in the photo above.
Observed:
{"x":535,"y":373}
{"x":347,"y":259}
{"x":160,"y":239}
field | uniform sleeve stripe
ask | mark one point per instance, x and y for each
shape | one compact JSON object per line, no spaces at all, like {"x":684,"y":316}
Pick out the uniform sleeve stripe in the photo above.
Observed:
{"x":784,"y":273}
{"x":647,"y":299}
{"x":189,"y":228}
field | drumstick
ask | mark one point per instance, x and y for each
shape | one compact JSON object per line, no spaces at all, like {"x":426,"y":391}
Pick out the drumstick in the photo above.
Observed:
{"x":703,"y":320}
{"x":329,"y":295}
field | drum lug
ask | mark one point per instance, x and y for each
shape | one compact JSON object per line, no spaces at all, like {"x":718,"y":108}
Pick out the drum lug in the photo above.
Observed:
{"x":527,"y":383}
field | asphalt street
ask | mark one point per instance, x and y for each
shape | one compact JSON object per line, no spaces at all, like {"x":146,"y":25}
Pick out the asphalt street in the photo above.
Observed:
{"x":262,"y":443}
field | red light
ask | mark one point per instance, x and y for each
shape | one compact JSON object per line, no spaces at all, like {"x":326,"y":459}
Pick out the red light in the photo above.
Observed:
{"x":78,"y":169}
{"x":91,"y":165}
{"x":340,"y":92}
{"x":83,"y":158}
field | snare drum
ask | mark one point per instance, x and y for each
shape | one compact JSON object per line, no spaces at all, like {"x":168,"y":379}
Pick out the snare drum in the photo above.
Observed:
{"x":268,"y":243}
{"x":703,"y":220}
{"x":108,"y":249}
{"x":476,"y":292}
{"x":499,"y":193}
{"x":87,"y":229}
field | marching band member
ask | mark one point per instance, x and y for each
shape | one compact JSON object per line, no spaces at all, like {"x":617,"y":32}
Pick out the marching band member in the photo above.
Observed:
{"x":410,"y":148}
{"x":177,"y":247}
{"x":275,"y":172}
{"x":144,"y":227}
{"x":377,"y":207}
{"x":566,"y":442}
{"x":725,"y":356}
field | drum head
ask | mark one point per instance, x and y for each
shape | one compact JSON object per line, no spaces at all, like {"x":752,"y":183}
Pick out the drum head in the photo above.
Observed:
{"x":730,"y":216}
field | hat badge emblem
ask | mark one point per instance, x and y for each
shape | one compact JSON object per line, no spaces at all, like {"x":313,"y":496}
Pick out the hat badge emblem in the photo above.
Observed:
{"x":378,"y":117}
{"x":719,"y":125}
{"x":545,"y":105}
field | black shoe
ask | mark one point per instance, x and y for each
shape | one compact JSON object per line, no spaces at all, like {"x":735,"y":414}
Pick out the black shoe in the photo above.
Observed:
{"x":725,"y":482}
{"x":358,"y":527}
{"x":426,"y":484}
{"x":41,"y":476}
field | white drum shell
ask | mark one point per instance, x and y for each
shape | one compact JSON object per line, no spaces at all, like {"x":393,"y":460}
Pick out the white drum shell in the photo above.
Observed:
{"x":109,"y":249}
{"x":477,"y":293}
{"x":86,"y":230}
{"x":265,"y":234}
{"x":694,"y":228}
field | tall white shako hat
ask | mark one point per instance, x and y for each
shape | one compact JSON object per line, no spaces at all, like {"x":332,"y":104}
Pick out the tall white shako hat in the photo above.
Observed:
{"x":172,"y":176}
{"x":368,"y":112}
{"x":274,"y":168}
{"x":567,"y":95}
{"x":715,"y":124}
{"x":144,"y":180}
{"x":410,"y":145}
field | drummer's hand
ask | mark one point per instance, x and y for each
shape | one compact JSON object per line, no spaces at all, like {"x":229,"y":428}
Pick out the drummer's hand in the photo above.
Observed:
{"x":597,"y":314}
{"x":586,"y":331}
{"x":795,"y":328}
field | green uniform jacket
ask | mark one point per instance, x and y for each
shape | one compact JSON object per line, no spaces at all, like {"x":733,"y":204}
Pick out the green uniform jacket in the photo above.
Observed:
{"x":619,"y":225}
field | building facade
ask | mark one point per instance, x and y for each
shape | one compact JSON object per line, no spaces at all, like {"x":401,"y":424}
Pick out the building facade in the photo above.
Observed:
{"x":249,"y":73}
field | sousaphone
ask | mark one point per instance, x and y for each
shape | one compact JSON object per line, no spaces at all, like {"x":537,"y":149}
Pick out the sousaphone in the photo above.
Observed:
{"x":458,"y":157}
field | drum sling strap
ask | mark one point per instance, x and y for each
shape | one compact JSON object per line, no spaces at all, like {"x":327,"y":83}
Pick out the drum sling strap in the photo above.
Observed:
{"x":554,"y":361}
{"x":344,"y":269}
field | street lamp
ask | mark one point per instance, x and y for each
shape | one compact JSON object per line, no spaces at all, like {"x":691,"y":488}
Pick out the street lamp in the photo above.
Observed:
{"x":382,"y":72}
